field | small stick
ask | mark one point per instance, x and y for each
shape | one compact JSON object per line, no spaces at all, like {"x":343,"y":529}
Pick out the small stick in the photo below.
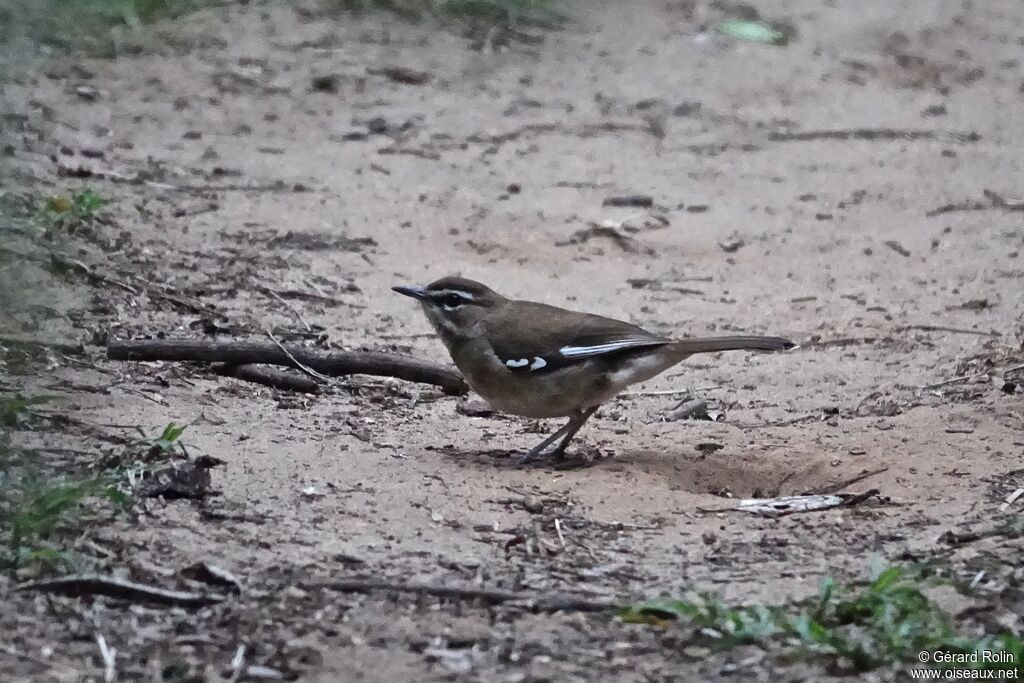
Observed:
{"x":94,"y":584}
{"x":780,"y":423}
{"x":157,"y":399}
{"x":494,"y":597}
{"x":844,"y":341}
{"x":858,"y":498}
{"x":83,"y":363}
{"x":289,"y":306}
{"x":833,"y":488}
{"x":873,"y":134}
{"x":697,"y":408}
{"x":90,"y":273}
{"x":954,"y":380}
{"x":952,"y":330}
{"x":237,"y":663}
{"x":558,"y":530}
{"x":109,"y":659}
{"x":309,"y":371}
{"x":669,"y":392}
{"x":1011,"y":499}
{"x":666,"y":392}
{"x":197,"y":307}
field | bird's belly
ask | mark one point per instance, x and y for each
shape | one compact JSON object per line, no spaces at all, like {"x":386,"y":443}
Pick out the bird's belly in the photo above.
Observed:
{"x":528,"y":397}
{"x":544,"y":394}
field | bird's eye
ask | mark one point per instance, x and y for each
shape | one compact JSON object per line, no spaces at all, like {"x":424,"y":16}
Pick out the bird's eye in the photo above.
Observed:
{"x":452,"y":300}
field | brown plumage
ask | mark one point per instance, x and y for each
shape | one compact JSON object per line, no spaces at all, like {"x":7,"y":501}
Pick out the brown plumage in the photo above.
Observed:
{"x":537,"y":360}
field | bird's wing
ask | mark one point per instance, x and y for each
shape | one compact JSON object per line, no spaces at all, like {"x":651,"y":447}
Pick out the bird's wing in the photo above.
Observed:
{"x":532,"y":337}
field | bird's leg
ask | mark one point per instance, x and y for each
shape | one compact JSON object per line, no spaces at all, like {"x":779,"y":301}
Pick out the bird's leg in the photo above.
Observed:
{"x":539,"y":448}
{"x":574,"y":426}
{"x":566,"y":433}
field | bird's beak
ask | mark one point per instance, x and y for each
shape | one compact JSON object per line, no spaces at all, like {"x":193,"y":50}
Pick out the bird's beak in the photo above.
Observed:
{"x":414,"y":292}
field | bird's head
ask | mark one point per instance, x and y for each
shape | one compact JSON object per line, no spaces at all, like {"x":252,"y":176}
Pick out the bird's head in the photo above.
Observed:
{"x":454,"y":305}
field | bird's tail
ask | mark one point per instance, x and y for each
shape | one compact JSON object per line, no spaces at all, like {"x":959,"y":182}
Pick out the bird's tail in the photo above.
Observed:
{"x":749,"y":343}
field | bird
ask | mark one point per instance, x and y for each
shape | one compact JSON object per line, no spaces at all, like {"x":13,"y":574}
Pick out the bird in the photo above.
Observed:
{"x":542,"y":361}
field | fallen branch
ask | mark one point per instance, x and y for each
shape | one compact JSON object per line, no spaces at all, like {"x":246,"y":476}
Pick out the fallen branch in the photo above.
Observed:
{"x":268,"y":377}
{"x":94,"y":584}
{"x":331,"y":363}
{"x":539,"y":603}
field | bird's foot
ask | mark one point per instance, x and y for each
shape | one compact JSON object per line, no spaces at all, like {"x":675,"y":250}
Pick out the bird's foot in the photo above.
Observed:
{"x":581,"y":459}
{"x":539,"y":456}
{"x":560,"y":460}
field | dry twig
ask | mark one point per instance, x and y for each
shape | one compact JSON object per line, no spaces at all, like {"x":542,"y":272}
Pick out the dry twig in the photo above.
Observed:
{"x":109,"y":657}
{"x":951,"y":330}
{"x":540,"y":603}
{"x":839,"y":486}
{"x":287,"y":304}
{"x":95,"y":584}
{"x":309,"y":371}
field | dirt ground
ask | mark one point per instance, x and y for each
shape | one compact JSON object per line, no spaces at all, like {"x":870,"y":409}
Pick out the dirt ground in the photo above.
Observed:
{"x":855,"y":190}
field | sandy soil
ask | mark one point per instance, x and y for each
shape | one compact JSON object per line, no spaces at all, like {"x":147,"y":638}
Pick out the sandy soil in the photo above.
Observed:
{"x":260,"y":148}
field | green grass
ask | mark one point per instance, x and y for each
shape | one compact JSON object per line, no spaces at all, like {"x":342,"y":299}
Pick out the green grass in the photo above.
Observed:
{"x":100,"y":27}
{"x":69,"y":214}
{"x":130,"y":12}
{"x":40,"y":507}
{"x":16,"y":411}
{"x":889,"y":620}
{"x":110,"y":13}
{"x":167,"y":441}
{"x":508,"y":12}
{"x":105,"y":28}
{"x":38,"y":512}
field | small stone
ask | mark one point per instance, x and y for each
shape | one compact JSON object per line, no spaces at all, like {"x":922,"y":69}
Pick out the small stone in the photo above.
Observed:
{"x":732,"y":244}
{"x":378,"y":125}
{"x":327,"y":83}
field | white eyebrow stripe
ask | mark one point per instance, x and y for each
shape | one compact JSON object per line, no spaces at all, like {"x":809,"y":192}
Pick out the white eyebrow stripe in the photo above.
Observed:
{"x":458,"y":292}
{"x":538,"y":363}
{"x":574,"y":351}
{"x":517,"y":363}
